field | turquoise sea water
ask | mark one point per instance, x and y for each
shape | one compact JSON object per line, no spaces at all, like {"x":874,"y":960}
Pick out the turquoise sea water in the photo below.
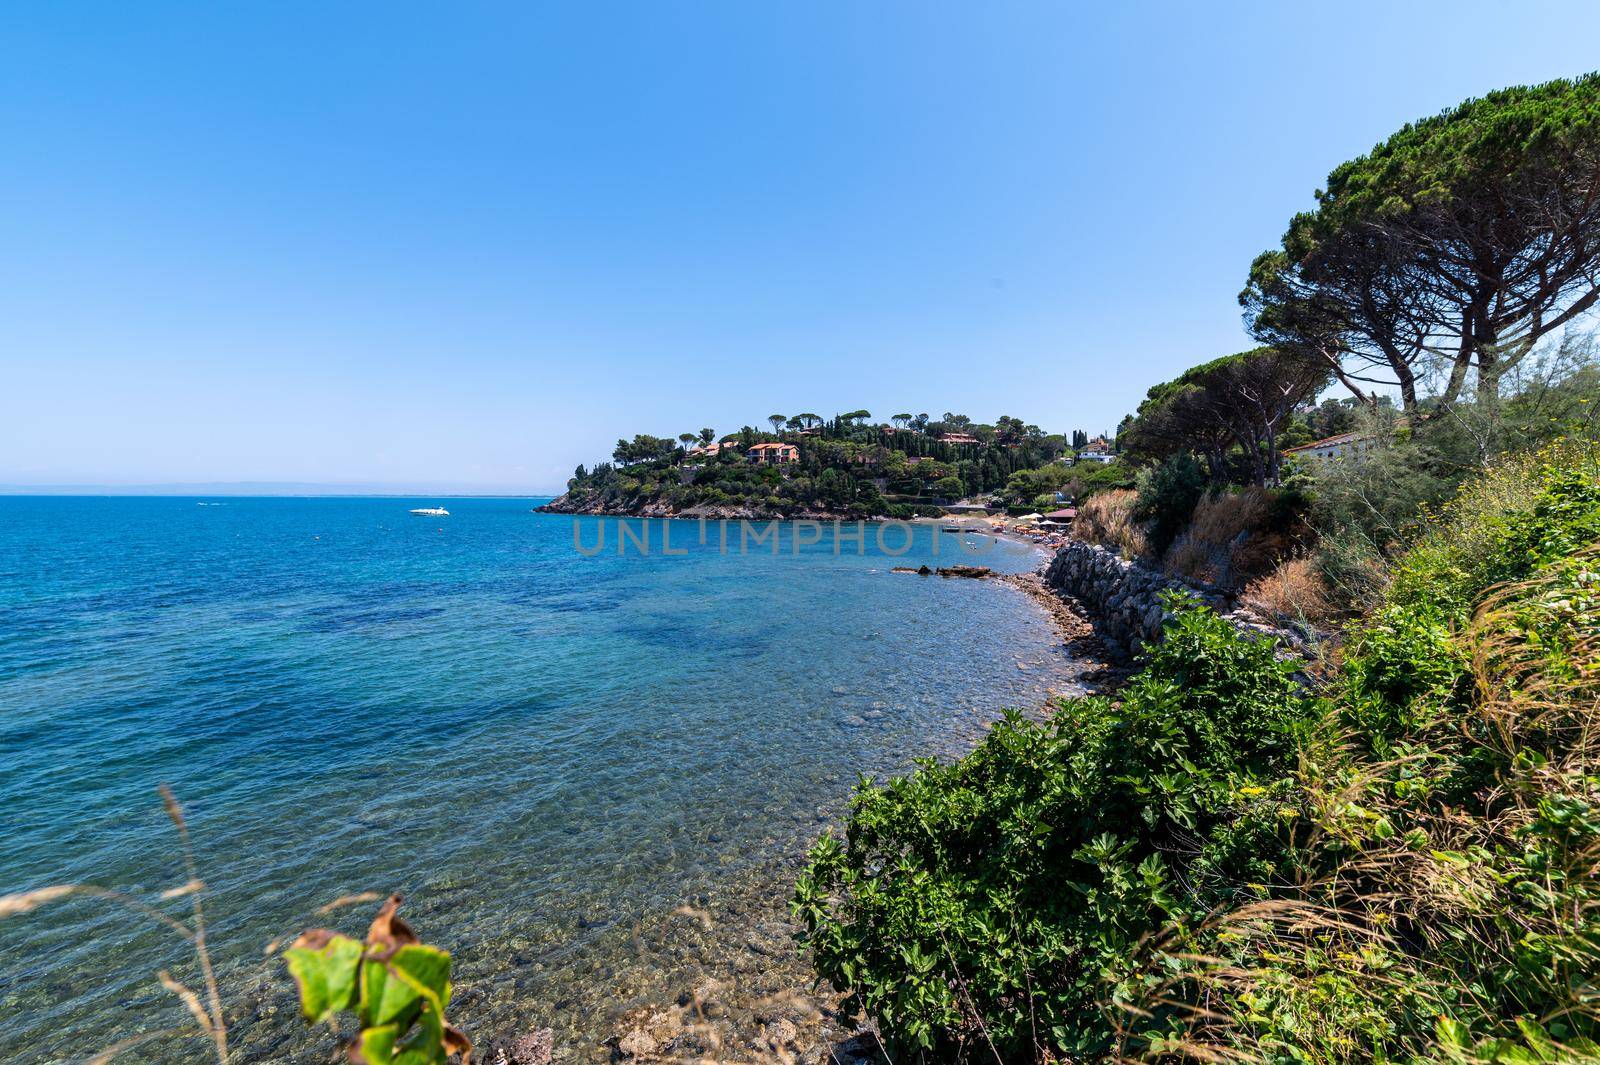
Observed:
{"x":547,"y":753}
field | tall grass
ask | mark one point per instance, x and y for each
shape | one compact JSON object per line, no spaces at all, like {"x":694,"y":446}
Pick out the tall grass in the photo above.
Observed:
{"x":1227,"y":539}
{"x":1294,"y":590}
{"x":1448,"y":908}
{"x":207,"y":1014}
{"x":1107,"y":519}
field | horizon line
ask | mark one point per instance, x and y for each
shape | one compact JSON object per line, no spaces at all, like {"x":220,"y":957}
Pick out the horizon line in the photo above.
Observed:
{"x":270,"y":489}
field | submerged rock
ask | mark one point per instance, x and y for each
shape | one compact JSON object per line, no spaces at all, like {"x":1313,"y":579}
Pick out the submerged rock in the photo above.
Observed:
{"x":535,"y":1048}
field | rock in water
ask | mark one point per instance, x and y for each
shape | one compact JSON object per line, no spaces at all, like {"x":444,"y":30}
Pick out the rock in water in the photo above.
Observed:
{"x":536,"y":1048}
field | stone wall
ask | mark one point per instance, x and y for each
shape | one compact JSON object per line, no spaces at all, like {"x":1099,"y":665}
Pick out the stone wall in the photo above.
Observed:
{"x":1123,"y":601}
{"x":1122,"y":598}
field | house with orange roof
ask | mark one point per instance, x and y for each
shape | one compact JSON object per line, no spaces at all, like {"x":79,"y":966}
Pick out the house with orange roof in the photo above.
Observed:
{"x":711,"y":451}
{"x":773,"y":454}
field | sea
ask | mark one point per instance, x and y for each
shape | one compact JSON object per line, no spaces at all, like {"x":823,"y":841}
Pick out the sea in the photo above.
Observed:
{"x":591,"y":765}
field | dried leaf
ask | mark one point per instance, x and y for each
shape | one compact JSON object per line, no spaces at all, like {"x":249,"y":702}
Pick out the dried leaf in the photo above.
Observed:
{"x":174,"y":811}
{"x":24,"y":901}
{"x":189,"y":999}
{"x":456,"y":1042}
{"x":388,"y":931}
{"x":187,"y":889}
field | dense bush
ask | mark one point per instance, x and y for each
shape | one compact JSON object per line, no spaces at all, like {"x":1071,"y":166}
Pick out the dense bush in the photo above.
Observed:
{"x":1367,"y":511}
{"x":1088,"y":478}
{"x":1167,"y":496}
{"x":1406,"y":868}
{"x":1450,"y":910}
{"x":998,"y":902}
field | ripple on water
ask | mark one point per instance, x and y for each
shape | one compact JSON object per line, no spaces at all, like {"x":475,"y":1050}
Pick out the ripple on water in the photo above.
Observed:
{"x":548,"y":754}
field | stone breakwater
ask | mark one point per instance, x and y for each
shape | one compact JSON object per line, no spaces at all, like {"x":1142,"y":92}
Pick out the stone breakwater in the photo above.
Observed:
{"x":1125,"y":600}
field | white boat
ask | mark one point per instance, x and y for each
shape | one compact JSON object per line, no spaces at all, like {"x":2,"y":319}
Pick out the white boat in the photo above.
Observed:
{"x":432,"y":512}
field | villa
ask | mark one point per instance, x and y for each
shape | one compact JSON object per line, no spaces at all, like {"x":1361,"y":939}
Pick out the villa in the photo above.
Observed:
{"x":774,"y":454}
{"x":711,"y":451}
{"x":959,"y":438}
{"x":1333,"y":447}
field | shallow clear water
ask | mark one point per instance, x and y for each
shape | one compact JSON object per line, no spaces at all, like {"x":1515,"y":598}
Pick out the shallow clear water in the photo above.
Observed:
{"x":546,"y":753}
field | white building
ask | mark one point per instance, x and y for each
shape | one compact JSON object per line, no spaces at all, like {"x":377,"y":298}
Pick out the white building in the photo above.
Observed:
{"x":1334,"y":447}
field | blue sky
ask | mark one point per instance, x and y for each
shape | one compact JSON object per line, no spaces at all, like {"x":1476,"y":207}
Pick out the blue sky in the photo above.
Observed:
{"x":469,"y":245}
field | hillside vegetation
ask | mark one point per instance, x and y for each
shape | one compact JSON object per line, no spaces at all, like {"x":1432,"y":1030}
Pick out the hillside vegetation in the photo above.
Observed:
{"x":1399,"y":867}
{"x":846,"y":465}
{"x":1397,"y":861}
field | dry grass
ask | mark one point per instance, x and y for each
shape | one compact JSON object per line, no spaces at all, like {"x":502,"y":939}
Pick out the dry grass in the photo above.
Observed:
{"x":1107,"y":519}
{"x":1295,"y":589}
{"x":1386,"y":924}
{"x":1228,"y":542}
{"x":1223,"y":518}
{"x":207,"y":1014}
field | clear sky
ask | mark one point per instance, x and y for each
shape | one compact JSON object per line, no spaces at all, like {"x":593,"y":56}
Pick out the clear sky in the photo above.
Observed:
{"x":469,"y":245}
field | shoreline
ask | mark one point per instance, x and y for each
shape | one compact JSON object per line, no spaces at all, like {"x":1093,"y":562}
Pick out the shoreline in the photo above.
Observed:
{"x":1046,"y":544}
{"x":757,"y":996}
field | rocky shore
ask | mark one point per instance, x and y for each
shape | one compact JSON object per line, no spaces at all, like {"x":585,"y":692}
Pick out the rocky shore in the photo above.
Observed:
{"x":745,"y":991}
{"x":727,"y":981}
{"x":1129,"y":601}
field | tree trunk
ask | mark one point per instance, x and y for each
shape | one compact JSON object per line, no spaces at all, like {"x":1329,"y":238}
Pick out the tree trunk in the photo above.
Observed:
{"x":1485,"y":343}
{"x":1458,"y":378}
{"x":1489,"y":382}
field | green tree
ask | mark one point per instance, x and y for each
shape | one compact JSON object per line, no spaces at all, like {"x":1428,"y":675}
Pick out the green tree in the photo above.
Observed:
{"x":1009,"y":431}
{"x":776,"y":421}
{"x":1330,"y":418}
{"x":1468,"y":236}
{"x":1241,"y":400}
{"x":1167,"y":497}
{"x":707,"y":435}
{"x":642,"y":448}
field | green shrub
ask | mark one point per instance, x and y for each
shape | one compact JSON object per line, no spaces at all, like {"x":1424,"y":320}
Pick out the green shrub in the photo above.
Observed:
{"x":397,"y":988}
{"x":1406,"y":667}
{"x":1000,"y":900}
{"x":1449,"y":910}
{"x":1167,"y":497}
